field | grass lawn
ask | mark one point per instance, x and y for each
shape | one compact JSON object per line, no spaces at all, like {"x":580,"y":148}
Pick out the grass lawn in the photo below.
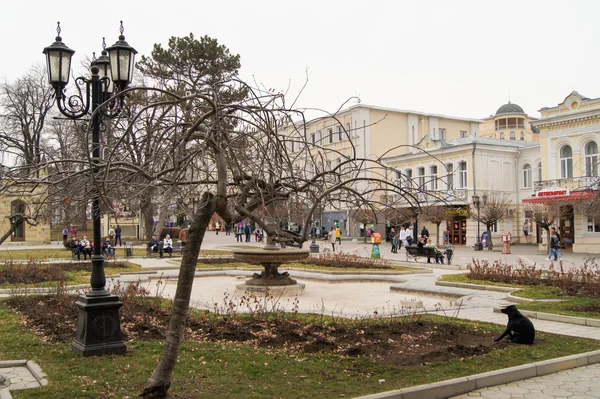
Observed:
{"x":232,"y":370}
{"x":568,"y":305}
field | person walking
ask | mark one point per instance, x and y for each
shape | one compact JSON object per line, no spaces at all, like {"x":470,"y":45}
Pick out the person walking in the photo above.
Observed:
{"x":332,"y":238}
{"x":425,"y":233}
{"x":118,"y":232}
{"x":247,"y":232}
{"x":554,"y":246}
{"x":526,"y":232}
{"x":395,"y":240}
{"x":409,"y":235}
{"x":402,"y":237}
{"x":218,"y":226}
{"x":338,"y":235}
{"x":65,"y":234}
{"x":183,"y":236}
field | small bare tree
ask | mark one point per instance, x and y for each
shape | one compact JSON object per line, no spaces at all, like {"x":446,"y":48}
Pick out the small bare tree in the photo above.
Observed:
{"x":546,"y":215}
{"x":436,"y":215}
{"x":493,"y":210}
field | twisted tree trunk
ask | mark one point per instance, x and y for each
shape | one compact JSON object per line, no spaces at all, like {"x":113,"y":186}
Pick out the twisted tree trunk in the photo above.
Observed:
{"x":158,"y":385}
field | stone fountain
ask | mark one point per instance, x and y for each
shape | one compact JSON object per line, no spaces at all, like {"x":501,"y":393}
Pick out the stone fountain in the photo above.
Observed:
{"x":271,"y":256}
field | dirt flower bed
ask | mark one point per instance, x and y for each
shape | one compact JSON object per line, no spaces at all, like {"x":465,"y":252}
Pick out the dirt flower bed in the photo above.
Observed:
{"x":402,"y":341}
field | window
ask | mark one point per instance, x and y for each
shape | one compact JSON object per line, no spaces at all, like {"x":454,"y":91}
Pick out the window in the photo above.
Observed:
{"x":330,"y":131}
{"x":408,"y":178}
{"x":502,"y":136}
{"x":591,"y":159}
{"x":340,"y":133}
{"x":348,"y":129}
{"x":442,"y":134}
{"x":593,"y":225}
{"x":566,"y":162}
{"x":313,"y":138}
{"x":433,"y":185}
{"x":462,"y":175}
{"x":522,"y":136}
{"x":421,"y":173}
{"x":19,"y":206}
{"x":463,"y":134}
{"x":539,"y":171}
{"x":319,"y":137}
{"x":513,"y":136}
{"x":527,"y":183}
{"x":449,"y":176}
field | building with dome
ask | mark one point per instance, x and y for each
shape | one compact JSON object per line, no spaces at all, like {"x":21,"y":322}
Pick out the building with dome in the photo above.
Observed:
{"x":509,"y":122}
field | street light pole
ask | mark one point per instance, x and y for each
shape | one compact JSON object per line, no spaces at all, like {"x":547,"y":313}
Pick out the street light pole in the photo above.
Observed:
{"x":98,"y":321}
{"x":478,"y":245}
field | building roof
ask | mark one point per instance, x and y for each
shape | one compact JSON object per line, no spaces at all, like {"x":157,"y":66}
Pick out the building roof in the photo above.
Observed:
{"x":489,"y":141}
{"x":510,"y":108}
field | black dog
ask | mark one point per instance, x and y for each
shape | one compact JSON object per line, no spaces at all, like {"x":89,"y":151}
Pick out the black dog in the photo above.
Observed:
{"x":519,"y":329}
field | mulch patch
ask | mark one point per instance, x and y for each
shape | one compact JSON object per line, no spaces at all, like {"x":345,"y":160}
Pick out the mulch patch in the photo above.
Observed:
{"x":411,"y":340}
{"x":595,"y":307}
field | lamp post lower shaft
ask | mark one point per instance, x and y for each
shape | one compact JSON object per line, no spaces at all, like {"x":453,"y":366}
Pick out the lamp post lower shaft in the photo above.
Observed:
{"x":98,"y":321}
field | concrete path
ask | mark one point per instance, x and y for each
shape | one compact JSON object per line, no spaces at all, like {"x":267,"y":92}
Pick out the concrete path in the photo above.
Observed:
{"x":365,"y":295}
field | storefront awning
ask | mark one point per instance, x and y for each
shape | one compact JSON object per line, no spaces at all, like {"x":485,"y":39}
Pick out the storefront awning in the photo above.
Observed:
{"x":569,"y":196}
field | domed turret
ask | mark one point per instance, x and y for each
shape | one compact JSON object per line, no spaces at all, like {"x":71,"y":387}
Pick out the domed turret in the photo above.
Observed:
{"x":510,"y":109}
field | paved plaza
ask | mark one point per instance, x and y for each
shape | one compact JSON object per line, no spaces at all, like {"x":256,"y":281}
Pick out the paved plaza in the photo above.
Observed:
{"x":386,"y":293}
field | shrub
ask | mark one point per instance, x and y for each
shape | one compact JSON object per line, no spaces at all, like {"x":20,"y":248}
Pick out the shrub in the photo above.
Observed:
{"x":30,"y":273}
{"x":583,"y":281}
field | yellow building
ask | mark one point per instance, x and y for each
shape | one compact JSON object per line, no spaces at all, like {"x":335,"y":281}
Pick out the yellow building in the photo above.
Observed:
{"x":372,"y":132}
{"x":569,"y":137}
{"x":509,"y":122}
{"x":448,"y":175}
{"x":27,"y":202}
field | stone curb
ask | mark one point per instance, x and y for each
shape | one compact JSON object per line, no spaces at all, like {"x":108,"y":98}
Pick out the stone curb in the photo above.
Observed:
{"x":477,"y":286}
{"x":41,"y":290}
{"x":581,"y":321}
{"x":459,"y":386}
{"x":34,"y":369}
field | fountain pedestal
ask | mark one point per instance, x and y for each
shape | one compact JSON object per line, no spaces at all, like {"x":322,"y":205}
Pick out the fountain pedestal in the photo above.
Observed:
{"x":270,"y":279}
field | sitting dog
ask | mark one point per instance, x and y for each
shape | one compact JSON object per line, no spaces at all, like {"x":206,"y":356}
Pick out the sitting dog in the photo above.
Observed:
{"x":519,"y":329}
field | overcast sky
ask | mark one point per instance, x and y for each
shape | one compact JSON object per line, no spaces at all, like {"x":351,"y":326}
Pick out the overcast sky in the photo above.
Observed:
{"x":451,"y":57}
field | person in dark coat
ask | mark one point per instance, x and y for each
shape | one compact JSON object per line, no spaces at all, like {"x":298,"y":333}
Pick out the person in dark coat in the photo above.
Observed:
{"x":425,"y":233}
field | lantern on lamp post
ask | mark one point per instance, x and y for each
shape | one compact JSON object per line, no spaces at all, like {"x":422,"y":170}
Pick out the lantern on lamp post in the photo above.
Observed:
{"x":98,"y":322}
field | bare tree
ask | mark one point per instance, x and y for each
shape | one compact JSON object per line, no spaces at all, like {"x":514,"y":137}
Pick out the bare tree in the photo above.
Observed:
{"x":25,"y":106}
{"x":545,"y":215}
{"x":494,"y":210}
{"x":437,"y":215}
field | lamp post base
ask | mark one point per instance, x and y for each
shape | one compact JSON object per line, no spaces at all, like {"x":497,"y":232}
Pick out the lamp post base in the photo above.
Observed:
{"x":314,"y":247}
{"x":98,"y":326}
{"x":478,"y":246}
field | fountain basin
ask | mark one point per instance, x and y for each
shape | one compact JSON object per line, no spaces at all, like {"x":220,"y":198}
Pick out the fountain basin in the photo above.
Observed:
{"x":270,"y":259}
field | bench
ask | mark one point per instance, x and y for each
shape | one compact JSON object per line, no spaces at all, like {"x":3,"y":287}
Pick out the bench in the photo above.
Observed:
{"x":414,"y":252}
{"x":177,"y":248}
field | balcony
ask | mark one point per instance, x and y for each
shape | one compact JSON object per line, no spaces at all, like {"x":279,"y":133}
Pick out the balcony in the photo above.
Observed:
{"x":450,"y":196}
{"x":505,"y":127}
{"x":570,"y":183}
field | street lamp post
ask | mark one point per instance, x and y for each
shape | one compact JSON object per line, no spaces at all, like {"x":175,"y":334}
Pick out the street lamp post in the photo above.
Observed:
{"x":478,"y":245}
{"x":98,"y":321}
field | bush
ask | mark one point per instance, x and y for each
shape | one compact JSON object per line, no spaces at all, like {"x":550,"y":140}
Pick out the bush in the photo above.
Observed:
{"x":583,"y":281}
{"x":30,"y":273}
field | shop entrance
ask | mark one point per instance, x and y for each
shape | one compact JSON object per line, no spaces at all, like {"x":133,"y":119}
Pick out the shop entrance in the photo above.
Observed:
{"x":567,"y":226}
{"x":457,"y":230}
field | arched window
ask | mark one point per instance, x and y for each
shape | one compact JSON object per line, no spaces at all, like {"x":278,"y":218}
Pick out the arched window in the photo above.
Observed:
{"x":408,"y":175}
{"x":527,"y":183}
{"x":18,"y":207}
{"x":539,"y":171}
{"x":591,"y":159}
{"x":566,"y":162}
{"x":433,"y":176}
{"x":513,"y":136}
{"x":502,"y":136}
{"x":462,"y":175}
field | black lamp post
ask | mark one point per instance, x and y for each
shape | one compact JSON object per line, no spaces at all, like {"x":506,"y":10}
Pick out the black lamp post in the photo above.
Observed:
{"x":478,"y":245}
{"x":98,"y":322}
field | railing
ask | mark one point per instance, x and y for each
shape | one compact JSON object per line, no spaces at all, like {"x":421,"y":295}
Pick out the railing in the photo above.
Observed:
{"x":504,"y":127}
{"x":430,"y":197}
{"x":571,"y":183}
